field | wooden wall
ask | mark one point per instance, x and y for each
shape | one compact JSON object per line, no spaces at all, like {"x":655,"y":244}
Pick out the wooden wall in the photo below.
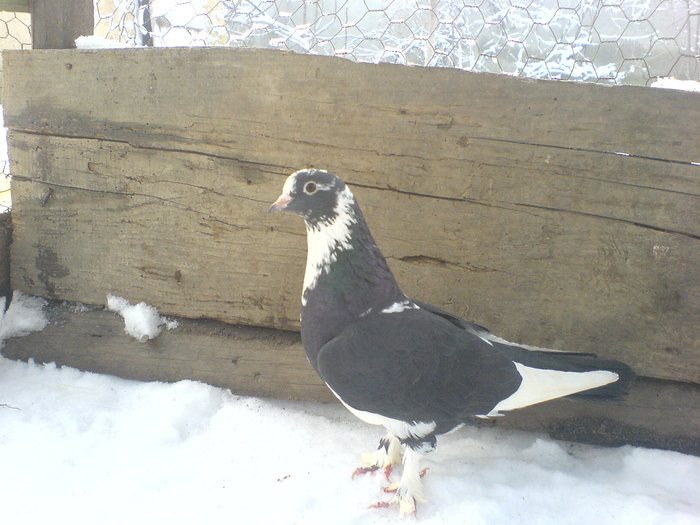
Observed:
{"x":5,"y":237}
{"x":556,"y":214}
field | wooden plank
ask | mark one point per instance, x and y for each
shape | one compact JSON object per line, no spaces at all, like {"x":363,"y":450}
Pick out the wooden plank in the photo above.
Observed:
{"x":5,"y":237}
{"x":248,"y":360}
{"x":227,"y":101}
{"x":264,"y":362}
{"x":56,"y":25}
{"x":499,"y":199}
{"x":537,"y":276}
{"x":17,"y":6}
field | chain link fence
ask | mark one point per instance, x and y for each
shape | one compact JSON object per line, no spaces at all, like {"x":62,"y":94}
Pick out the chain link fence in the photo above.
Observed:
{"x":611,"y":41}
{"x":14,"y":34}
{"x":15,"y":31}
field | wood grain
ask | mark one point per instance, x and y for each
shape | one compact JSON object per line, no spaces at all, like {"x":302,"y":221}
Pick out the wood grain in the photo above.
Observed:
{"x":5,"y":237}
{"x":248,"y":360}
{"x":557,"y":214}
{"x":56,"y":25}
{"x":21,"y":6}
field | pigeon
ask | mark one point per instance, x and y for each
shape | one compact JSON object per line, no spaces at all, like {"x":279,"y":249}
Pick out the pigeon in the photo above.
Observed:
{"x":415,"y":369}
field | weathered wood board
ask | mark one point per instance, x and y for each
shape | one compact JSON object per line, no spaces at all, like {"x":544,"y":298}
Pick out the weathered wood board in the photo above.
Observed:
{"x":15,"y":5}
{"x":267,"y":362}
{"x":56,"y":25}
{"x":554,"y":213}
{"x":248,"y":360}
{"x":5,"y":235}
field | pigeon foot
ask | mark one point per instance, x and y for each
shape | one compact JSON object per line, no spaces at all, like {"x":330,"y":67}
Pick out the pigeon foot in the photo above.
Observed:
{"x":407,"y":505}
{"x":408,"y":492}
{"x":359,"y":471}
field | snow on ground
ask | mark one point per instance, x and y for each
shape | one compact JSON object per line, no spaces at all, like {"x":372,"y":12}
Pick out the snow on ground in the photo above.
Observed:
{"x":84,"y":448}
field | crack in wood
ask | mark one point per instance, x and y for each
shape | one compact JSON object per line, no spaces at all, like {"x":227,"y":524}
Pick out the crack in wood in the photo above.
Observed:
{"x":168,"y":201}
{"x":285,"y":169}
{"x":607,"y":217}
{"x":587,"y":150}
{"x":508,"y":206}
{"x":494,"y":204}
{"x":437,"y":261}
{"x":211,"y":190}
{"x":630,"y":184}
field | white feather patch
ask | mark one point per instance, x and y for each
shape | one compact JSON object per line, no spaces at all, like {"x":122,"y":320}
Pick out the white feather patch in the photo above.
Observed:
{"x":291,"y":181}
{"x":491,"y":338}
{"x":543,"y":385}
{"x":327,"y":238}
{"x":400,"y":429}
{"x":400,"y":307}
{"x":410,"y":489}
{"x":289,"y":184}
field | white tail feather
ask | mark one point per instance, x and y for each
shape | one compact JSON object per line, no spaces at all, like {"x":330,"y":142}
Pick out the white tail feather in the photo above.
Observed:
{"x":540,"y":385}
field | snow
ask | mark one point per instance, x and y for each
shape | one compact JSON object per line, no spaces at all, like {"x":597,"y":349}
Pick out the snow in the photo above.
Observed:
{"x":98,"y":42}
{"x":23,"y":316}
{"x":141,"y":321}
{"x":674,"y":83}
{"x":83,"y":448}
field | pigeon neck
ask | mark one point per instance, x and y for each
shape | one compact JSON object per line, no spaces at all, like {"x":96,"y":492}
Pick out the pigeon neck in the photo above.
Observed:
{"x":346,"y":276}
{"x":343,"y":240}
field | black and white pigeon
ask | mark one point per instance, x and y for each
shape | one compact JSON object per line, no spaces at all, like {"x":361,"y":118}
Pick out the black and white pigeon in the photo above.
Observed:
{"x":415,"y":369}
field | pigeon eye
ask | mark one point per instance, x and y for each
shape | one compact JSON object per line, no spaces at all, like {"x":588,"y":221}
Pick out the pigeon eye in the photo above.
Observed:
{"x":310,"y":188}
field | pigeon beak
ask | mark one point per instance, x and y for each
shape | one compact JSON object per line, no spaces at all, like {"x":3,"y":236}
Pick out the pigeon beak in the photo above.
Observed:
{"x":280,"y":204}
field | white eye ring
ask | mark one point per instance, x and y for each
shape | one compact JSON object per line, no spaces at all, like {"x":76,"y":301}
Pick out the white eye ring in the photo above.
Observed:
{"x":310,"y":188}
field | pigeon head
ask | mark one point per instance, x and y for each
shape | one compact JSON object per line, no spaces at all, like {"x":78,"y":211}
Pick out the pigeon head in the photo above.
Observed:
{"x":318,"y":196}
{"x":339,"y":241}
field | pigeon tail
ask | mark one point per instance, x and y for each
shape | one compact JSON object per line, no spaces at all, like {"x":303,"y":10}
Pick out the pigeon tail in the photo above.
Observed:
{"x":612,"y":391}
{"x":580,"y":363}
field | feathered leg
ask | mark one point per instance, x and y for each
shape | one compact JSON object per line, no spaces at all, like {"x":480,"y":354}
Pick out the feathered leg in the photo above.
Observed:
{"x":385,"y":457}
{"x":410,"y":489}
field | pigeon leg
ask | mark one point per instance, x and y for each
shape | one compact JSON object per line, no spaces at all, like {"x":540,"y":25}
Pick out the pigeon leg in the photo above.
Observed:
{"x":410,"y":489}
{"x":394,"y":487}
{"x":386,"y":456}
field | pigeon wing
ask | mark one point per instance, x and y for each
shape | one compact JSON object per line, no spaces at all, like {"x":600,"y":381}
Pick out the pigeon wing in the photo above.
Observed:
{"x":416,"y":366}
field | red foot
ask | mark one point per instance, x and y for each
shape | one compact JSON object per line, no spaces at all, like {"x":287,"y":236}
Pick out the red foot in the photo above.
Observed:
{"x":387,"y":471}
{"x":364,"y":470}
{"x":391,"y":489}
{"x":387,"y":504}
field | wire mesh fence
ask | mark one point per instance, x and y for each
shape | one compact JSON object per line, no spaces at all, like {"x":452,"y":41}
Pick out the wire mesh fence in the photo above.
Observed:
{"x":15,"y":30}
{"x":15,"y":33}
{"x":612,"y":41}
